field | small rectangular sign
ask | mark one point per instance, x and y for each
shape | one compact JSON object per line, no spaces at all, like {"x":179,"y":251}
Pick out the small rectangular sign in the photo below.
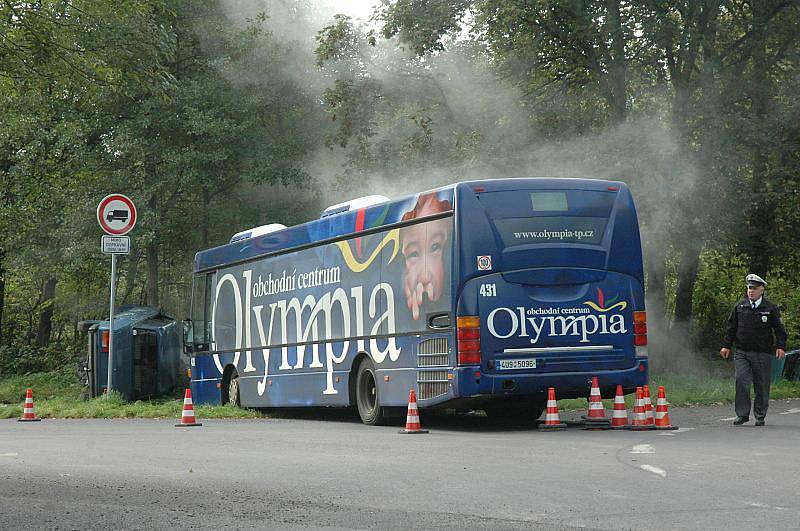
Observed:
{"x":526,"y":363}
{"x":116,"y":244}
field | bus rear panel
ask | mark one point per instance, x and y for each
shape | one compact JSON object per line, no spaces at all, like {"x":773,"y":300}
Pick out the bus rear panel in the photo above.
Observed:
{"x":551,"y":289}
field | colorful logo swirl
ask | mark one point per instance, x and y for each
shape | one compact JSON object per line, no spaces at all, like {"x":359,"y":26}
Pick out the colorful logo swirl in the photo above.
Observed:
{"x":600,"y":305}
{"x":393,"y":236}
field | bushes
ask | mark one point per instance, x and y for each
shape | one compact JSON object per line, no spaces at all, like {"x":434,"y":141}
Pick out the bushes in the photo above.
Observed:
{"x":27,"y":359}
{"x":720,"y":283}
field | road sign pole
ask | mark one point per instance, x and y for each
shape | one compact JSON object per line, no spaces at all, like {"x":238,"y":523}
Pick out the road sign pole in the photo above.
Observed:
{"x":116,"y":215}
{"x":111,"y":325}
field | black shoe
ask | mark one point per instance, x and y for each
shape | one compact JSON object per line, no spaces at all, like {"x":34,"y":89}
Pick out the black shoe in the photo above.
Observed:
{"x":741,"y":420}
{"x":759,"y":422}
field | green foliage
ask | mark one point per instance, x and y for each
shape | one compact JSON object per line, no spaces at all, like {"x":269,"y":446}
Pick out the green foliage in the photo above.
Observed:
{"x":720,"y":283}
{"x":170,"y":103}
{"x":421,"y":24}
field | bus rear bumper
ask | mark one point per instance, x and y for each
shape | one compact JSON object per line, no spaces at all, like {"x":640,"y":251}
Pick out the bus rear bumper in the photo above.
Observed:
{"x":566,"y":384}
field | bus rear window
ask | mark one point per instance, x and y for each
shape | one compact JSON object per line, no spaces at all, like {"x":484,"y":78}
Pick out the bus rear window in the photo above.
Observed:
{"x":549,"y":216}
{"x":549,"y":201}
{"x":551,"y":229}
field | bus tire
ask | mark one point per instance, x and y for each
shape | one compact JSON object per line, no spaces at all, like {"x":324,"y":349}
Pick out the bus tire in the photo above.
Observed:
{"x":233,"y":389}
{"x":367,"y":394}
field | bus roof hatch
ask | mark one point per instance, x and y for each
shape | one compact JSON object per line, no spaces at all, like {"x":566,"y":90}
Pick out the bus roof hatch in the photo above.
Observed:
{"x":354,"y":204}
{"x":257,"y":231}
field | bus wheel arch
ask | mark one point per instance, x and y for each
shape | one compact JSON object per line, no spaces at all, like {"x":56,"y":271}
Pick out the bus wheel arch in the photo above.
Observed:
{"x":351,"y":381}
{"x":229,"y":390}
{"x":366,"y":392}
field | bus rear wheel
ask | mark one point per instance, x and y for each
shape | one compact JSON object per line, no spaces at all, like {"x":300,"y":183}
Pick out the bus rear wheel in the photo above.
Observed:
{"x":367,"y":395}
{"x":233,"y":390}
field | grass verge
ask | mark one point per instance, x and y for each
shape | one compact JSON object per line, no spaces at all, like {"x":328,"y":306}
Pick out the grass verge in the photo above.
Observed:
{"x":693,"y":391}
{"x":59,"y":395}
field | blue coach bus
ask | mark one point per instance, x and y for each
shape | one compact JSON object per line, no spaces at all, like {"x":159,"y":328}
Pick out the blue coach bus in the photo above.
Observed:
{"x":478,"y":295}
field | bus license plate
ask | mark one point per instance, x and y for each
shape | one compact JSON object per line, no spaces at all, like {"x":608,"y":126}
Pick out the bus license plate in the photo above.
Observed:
{"x":526,"y":363}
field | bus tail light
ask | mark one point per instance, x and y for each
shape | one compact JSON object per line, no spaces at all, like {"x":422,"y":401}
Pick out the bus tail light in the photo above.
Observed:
{"x":104,"y":341}
{"x":469,"y":340}
{"x":640,"y":333}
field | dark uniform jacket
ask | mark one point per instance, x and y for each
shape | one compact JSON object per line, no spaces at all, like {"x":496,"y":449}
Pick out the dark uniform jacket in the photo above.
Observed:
{"x":752,"y":330}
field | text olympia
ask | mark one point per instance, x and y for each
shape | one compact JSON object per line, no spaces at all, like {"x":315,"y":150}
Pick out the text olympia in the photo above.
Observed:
{"x":355,"y":313}
{"x":519,"y":322}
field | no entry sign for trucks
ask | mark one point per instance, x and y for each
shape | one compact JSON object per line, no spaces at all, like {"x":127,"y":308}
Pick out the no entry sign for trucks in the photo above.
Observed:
{"x":116,"y":214}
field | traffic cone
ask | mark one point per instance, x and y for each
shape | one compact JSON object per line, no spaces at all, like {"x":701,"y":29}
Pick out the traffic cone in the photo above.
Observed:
{"x":551,"y":420}
{"x":648,"y":407}
{"x":639,"y":415}
{"x":412,"y":418}
{"x":187,"y":417}
{"x":662,"y":414}
{"x":619,"y":419}
{"x":27,"y":412}
{"x":596,"y":415}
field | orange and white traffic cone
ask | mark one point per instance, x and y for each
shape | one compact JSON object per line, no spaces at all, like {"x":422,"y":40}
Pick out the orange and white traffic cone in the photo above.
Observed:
{"x":619,"y":419}
{"x":662,"y":413}
{"x":187,"y":417}
{"x":27,"y":412}
{"x":412,"y":418}
{"x":639,"y":415}
{"x":551,"y":421}
{"x":648,"y":407}
{"x":596,"y":415}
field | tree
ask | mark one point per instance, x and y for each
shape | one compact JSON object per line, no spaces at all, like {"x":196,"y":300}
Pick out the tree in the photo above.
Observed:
{"x":213,"y":127}
{"x":59,"y":59}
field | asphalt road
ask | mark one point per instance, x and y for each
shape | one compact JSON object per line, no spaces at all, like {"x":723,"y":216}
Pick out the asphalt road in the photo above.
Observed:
{"x":321,"y":471}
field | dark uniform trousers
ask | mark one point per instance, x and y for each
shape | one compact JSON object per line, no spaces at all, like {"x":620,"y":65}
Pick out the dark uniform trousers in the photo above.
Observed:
{"x":752,"y":369}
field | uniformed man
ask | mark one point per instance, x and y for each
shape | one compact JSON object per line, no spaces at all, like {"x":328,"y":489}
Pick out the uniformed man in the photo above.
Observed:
{"x":756,"y":327}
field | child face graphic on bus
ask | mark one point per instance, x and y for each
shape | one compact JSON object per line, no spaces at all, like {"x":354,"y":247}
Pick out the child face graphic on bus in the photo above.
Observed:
{"x":423,"y":246}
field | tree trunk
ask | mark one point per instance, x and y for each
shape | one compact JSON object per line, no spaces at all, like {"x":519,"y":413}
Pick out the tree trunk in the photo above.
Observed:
{"x":687,"y":276}
{"x":655,"y":289}
{"x":2,"y":290}
{"x":130,"y":275}
{"x":152,"y":246}
{"x":204,"y":217}
{"x":152,"y":274}
{"x":763,"y":204}
{"x":46,"y":317}
{"x":655,"y":297}
{"x":618,"y":67}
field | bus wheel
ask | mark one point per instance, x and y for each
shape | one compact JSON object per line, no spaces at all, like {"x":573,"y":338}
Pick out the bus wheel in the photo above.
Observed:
{"x":233,"y":390}
{"x":367,"y":398}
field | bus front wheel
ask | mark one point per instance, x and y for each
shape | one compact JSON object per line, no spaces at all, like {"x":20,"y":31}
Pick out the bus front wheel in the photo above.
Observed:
{"x":367,"y":396}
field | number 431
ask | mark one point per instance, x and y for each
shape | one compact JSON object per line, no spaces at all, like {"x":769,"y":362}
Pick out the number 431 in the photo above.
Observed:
{"x":488,"y":290}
